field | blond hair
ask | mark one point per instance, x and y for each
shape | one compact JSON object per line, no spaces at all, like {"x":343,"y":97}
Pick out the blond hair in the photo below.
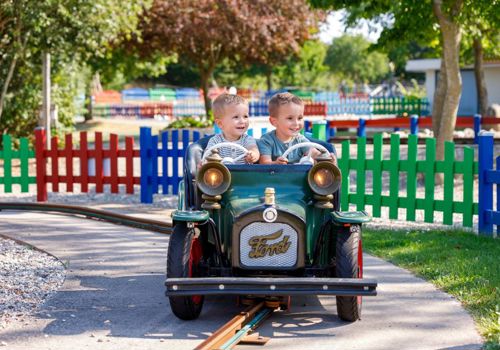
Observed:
{"x":281,"y":99}
{"x":224,"y":100}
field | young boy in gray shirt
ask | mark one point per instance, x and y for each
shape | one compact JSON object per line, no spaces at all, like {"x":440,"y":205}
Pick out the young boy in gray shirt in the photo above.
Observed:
{"x":231,"y":116}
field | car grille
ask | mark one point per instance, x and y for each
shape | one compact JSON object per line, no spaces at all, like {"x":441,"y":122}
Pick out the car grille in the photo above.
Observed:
{"x":268,"y":245}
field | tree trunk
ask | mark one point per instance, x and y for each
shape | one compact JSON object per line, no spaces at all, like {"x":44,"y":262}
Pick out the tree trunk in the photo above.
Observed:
{"x":269,"y":82}
{"x":5,"y":87}
{"x":88,"y":104}
{"x":482,"y":91}
{"x":205,"y":77}
{"x":439,"y":97}
{"x":450,"y":31}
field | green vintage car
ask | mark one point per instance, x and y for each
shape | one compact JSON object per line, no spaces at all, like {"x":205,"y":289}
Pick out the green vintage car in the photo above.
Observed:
{"x":263,"y":230}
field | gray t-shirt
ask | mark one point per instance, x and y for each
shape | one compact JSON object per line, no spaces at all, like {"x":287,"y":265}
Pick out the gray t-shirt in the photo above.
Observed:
{"x":233,"y":152}
{"x":270,"y":145}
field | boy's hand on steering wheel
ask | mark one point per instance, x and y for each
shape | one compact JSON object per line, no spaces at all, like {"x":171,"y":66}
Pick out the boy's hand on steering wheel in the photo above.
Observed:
{"x":334,"y":159}
{"x":251,"y":157}
{"x":281,"y":160}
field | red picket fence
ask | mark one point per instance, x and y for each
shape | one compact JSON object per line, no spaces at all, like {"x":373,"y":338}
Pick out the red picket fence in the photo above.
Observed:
{"x":315,"y":109}
{"x":150,"y":110}
{"x":83,"y":154}
{"x":108,"y":96}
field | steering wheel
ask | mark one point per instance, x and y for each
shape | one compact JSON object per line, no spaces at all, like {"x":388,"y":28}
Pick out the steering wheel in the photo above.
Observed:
{"x":304,"y":144}
{"x":226,"y":160}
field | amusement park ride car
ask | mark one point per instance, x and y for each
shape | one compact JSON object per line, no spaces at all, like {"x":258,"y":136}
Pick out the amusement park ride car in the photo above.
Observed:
{"x":264,"y":230}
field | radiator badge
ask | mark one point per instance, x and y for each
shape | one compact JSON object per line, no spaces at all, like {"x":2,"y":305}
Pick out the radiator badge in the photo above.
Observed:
{"x":260,"y":248}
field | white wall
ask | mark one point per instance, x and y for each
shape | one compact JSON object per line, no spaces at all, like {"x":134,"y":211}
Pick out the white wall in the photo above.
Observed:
{"x":430,"y":86}
{"x":492,"y":76}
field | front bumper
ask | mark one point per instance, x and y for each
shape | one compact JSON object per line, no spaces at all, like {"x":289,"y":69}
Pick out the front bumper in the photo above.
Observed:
{"x":270,"y":286}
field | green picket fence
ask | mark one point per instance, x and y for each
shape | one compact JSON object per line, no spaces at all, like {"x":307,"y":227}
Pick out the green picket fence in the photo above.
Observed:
{"x":7,"y":154}
{"x":399,"y":105}
{"x":411,"y":166}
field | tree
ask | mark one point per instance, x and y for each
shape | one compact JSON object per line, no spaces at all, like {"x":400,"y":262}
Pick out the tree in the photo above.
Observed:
{"x":350,"y":57}
{"x":482,"y":36}
{"x":307,"y":69}
{"x":207,"y":32}
{"x":73,"y":31}
{"x":411,"y":19}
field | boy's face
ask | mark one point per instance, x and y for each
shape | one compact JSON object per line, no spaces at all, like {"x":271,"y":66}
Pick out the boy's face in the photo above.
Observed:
{"x":288,"y":121}
{"x":234,"y":121}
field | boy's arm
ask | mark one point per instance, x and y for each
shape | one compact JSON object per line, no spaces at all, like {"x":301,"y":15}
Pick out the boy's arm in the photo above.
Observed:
{"x":210,"y":143}
{"x":266,"y":159}
{"x":265,"y":148}
{"x":253,"y":154}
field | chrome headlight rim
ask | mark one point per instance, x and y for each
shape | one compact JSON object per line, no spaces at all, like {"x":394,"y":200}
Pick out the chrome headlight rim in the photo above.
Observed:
{"x":336,"y":178}
{"x":211,"y":190}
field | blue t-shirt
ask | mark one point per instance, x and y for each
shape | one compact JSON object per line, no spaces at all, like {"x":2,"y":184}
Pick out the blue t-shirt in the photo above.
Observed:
{"x":270,"y":145}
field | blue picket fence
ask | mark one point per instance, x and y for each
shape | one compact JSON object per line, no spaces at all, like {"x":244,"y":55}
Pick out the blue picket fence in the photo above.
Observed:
{"x":488,"y":176}
{"x":162,"y":163}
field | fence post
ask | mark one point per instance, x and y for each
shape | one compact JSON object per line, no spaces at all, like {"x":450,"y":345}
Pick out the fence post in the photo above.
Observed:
{"x":145,"y":141}
{"x":330,"y":132}
{"x":319,"y":130}
{"x":362,"y":127}
{"x":477,"y":127}
{"x":7,"y":163}
{"x":414,"y":124}
{"x":485,"y":150}
{"x":41,"y":164}
{"x":498,"y":189}
{"x":307,"y":126}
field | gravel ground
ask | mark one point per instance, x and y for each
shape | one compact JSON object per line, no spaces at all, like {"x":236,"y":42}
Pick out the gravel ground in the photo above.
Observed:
{"x":28,"y":277}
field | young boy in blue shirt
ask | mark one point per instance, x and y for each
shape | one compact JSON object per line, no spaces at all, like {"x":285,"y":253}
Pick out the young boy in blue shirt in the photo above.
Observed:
{"x":286,"y":114}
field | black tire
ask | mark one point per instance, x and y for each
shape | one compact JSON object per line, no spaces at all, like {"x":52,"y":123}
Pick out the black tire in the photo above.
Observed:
{"x":179,"y":261}
{"x":348,"y":248}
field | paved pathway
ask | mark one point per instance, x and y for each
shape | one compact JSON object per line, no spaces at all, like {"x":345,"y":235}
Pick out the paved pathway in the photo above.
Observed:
{"x":113,"y":298}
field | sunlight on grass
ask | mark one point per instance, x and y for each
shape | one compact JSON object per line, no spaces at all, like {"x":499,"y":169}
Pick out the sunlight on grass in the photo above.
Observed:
{"x":460,"y":263}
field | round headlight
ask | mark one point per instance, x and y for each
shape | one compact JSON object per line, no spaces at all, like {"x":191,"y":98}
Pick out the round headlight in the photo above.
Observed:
{"x":213,"y":178}
{"x":324,"y":178}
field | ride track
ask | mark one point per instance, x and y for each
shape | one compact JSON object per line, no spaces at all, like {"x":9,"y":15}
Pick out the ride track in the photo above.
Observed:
{"x":114,"y":218}
{"x":229,"y":335}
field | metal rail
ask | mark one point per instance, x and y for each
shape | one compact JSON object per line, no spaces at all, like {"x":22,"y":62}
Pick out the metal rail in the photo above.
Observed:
{"x":115,"y":218}
{"x":238,"y":328}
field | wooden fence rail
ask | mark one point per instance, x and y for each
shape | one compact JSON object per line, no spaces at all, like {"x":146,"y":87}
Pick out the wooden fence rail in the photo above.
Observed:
{"x":413,"y":123}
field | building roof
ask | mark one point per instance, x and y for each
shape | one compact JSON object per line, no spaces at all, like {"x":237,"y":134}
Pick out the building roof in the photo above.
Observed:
{"x":423,"y":65}
{"x":429,"y":64}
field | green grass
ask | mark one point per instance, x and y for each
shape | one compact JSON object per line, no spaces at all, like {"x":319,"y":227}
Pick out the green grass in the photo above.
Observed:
{"x":459,"y":263}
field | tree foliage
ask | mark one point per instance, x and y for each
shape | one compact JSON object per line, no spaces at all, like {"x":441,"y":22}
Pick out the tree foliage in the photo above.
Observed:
{"x":72,"y":31}
{"x":350,"y":57}
{"x":207,"y":32}
{"x":307,"y":69}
